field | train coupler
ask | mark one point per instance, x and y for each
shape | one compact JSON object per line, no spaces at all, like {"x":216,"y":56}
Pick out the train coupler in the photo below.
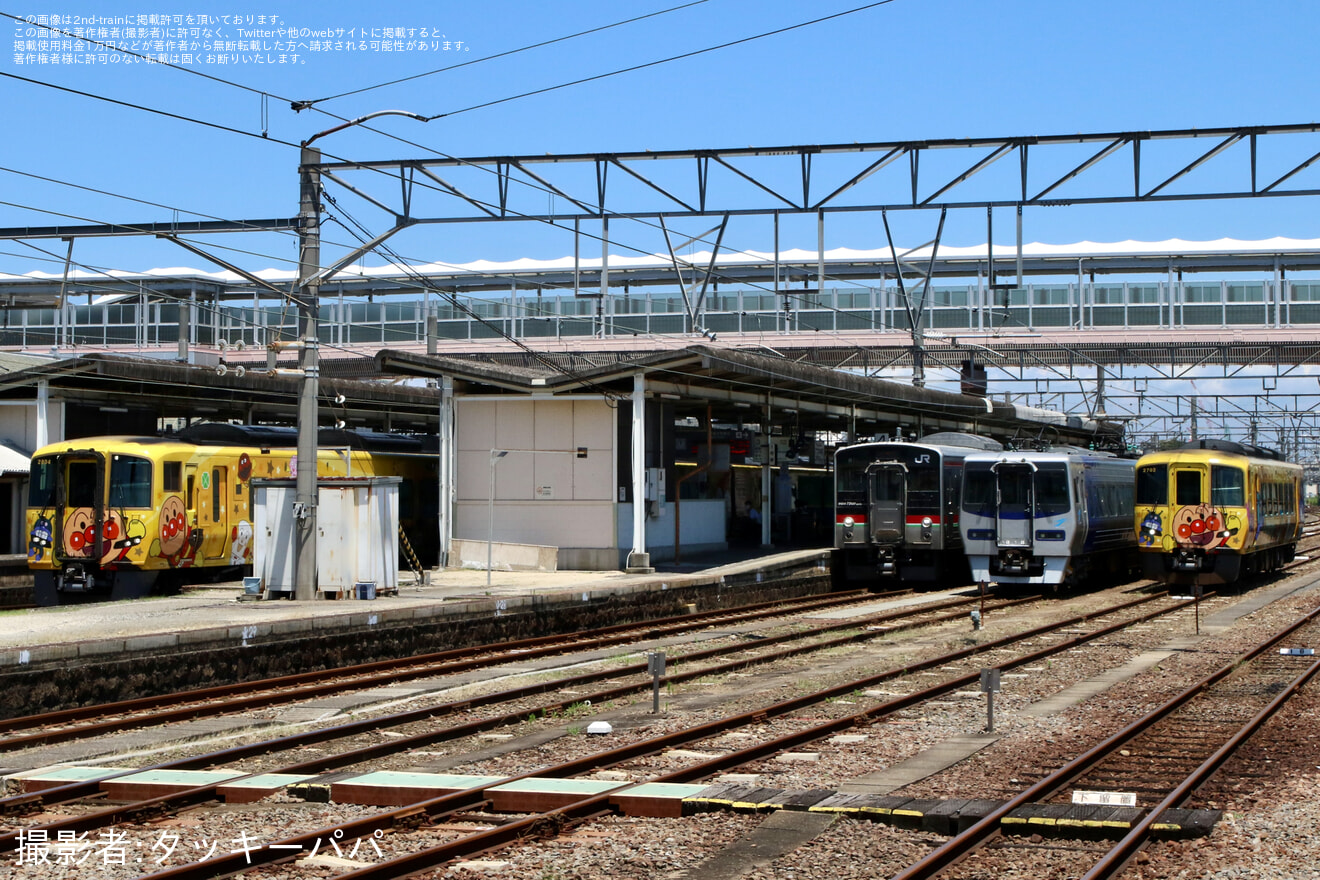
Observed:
{"x":1014,"y":562}
{"x":75,"y":579}
{"x":1186,"y":560}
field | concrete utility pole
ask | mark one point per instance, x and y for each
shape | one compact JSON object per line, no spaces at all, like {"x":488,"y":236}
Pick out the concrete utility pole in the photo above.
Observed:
{"x":309,"y":264}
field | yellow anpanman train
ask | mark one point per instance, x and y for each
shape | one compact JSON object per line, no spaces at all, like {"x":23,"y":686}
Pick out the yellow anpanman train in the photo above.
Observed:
{"x":119,"y":517}
{"x":1213,"y":511}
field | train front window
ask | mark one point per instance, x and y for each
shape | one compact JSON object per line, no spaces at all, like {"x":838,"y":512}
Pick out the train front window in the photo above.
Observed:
{"x":850,"y":473}
{"x":1052,"y":490}
{"x":924,"y":490}
{"x":41,"y":483}
{"x":1227,"y":487}
{"x":887,"y":485}
{"x":1153,"y":484}
{"x":80,"y":486}
{"x":130,"y":481}
{"x":1014,"y":490}
{"x":979,"y":490}
{"x":1186,"y":487}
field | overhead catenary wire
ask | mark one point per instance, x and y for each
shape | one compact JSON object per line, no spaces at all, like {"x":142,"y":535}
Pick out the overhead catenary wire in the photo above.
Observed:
{"x":304,"y":105}
{"x":796,"y":297}
{"x":787,"y":294}
{"x":633,"y":68}
{"x":263,"y":93}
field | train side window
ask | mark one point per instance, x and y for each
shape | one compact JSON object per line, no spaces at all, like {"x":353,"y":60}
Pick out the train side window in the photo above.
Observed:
{"x":191,"y":504}
{"x":1187,"y":487}
{"x":216,"y":500}
{"x":130,"y":481}
{"x":172,"y":476}
{"x":1227,"y":488}
{"x":1153,"y":484}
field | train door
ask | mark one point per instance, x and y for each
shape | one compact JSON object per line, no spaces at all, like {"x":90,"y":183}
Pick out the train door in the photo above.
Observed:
{"x":1188,"y":490}
{"x":887,"y":500}
{"x":1014,"y":510}
{"x":213,"y":512}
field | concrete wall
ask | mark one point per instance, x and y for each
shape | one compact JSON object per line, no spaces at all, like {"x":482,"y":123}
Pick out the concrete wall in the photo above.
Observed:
{"x":544,"y":493}
{"x":18,"y":430}
{"x":702,"y":524}
{"x":18,"y":424}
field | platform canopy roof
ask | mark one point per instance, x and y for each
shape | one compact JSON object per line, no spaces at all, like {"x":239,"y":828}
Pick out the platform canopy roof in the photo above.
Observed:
{"x":736,"y":386}
{"x":122,"y":394}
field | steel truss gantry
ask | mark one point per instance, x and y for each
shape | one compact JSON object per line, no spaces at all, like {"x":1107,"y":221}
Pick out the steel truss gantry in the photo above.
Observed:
{"x":586,"y":191}
{"x":844,"y":177}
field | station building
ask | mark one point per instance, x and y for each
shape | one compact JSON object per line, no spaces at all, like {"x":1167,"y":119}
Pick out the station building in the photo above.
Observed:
{"x":551,"y":460}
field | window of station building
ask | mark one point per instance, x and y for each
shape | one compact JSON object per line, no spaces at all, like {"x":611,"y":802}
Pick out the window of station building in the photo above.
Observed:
{"x":1202,"y":293}
{"x":1187,"y":487}
{"x":130,"y":481}
{"x":1227,"y":486}
{"x":1153,"y":484}
{"x":1143,"y":293}
{"x":1303,"y":292}
{"x":172,"y":476}
{"x":1253,"y":292}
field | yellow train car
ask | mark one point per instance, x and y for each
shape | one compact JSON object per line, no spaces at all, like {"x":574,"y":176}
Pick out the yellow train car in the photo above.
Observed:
{"x":121,"y":517}
{"x":1214,"y":511}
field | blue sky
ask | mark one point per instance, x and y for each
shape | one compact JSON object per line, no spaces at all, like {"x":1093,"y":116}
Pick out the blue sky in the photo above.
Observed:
{"x":905,"y":70}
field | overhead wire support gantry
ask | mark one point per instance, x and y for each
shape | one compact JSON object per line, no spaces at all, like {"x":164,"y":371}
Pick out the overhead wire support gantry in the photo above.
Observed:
{"x":851,"y":187}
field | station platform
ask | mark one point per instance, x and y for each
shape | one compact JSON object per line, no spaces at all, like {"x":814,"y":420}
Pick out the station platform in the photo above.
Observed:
{"x":205,"y":616}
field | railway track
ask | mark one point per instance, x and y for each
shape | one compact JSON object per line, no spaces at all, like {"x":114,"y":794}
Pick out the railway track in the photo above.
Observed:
{"x":428,"y":812}
{"x":1161,"y":758}
{"x":429,"y":822}
{"x":85,"y":721}
{"x":857,"y":629}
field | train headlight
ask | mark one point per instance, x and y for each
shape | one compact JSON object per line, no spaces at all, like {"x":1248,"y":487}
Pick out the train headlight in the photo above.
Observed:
{"x":926,"y":522}
{"x":849,"y":522}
